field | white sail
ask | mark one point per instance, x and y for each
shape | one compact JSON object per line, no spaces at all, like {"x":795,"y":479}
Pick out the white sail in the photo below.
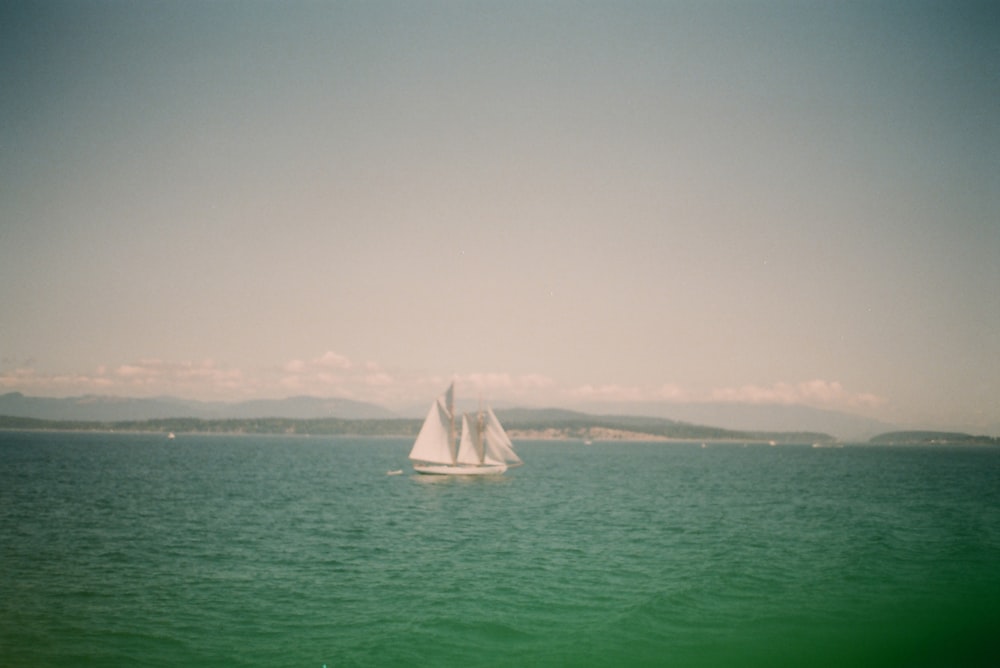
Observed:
{"x":470,"y":448}
{"x":434,"y":442}
{"x":499,"y":448}
{"x":467,"y":451}
{"x":484,"y":449}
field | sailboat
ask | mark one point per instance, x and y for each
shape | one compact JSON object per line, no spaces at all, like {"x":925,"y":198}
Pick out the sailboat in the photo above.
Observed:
{"x":483,"y":448}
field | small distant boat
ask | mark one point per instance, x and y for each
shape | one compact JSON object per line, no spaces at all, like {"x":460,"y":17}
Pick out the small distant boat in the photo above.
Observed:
{"x":483,"y":449}
{"x":171,"y":436}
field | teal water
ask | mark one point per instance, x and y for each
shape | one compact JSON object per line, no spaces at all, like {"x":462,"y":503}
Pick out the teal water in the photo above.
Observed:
{"x":131,"y":550}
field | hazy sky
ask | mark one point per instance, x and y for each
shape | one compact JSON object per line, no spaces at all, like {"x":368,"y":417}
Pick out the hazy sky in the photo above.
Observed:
{"x":554,"y":201}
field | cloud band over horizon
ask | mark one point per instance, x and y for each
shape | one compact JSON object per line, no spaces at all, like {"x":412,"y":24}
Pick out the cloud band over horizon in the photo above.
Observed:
{"x":335,"y":375}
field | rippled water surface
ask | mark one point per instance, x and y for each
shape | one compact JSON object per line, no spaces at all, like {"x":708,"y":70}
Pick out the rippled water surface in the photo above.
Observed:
{"x":133,"y":550}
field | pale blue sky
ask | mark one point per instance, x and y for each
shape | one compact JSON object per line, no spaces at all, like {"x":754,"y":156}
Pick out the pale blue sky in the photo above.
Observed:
{"x":554,"y":201}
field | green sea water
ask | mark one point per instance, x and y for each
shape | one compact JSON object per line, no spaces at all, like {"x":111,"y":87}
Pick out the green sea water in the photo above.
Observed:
{"x":132,"y":550}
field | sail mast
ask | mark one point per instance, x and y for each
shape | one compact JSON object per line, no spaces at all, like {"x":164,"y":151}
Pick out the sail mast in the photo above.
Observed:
{"x":480,"y":428}
{"x":450,"y":394}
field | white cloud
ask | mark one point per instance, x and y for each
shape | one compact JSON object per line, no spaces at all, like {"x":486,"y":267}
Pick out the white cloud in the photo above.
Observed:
{"x":815,"y":392}
{"x":132,"y":371}
{"x":378,"y":379}
{"x":333,"y":374}
{"x":610,"y":392}
{"x":484,"y":381}
{"x":205,"y":379}
{"x":178,"y":376}
{"x":536,"y":381}
{"x":332,"y":360}
{"x":671,"y":392}
{"x":329,"y":374}
{"x":27,"y":379}
{"x":494,"y":385}
{"x":323,"y":367}
{"x":294,"y":366}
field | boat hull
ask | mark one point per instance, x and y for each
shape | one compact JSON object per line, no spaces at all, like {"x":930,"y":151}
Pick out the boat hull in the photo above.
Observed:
{"x":444,"y":469}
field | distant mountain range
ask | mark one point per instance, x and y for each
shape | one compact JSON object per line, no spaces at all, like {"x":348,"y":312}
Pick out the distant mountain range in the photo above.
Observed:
{"x":754,"y":417}
{"x":344,"y":416}
{"x":114,"y":409}
{"x":739,"y":417}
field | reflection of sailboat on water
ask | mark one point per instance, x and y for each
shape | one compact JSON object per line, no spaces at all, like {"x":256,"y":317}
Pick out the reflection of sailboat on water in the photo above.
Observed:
{"x":484,"y":447}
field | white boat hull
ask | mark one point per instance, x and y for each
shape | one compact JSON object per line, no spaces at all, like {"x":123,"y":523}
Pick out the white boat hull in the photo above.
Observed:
{"x":445,"y":469}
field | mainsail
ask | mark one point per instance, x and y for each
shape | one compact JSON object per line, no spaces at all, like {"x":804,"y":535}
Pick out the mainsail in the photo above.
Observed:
{"x":470,"y":447}
{"x":434,"y":442}
{"x":483,"y":448}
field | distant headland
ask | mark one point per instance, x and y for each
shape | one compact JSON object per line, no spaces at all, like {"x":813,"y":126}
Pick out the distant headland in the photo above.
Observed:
{"x":932,"y":438}
{"x":342,"y":417}
{"x":524,"y":424}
